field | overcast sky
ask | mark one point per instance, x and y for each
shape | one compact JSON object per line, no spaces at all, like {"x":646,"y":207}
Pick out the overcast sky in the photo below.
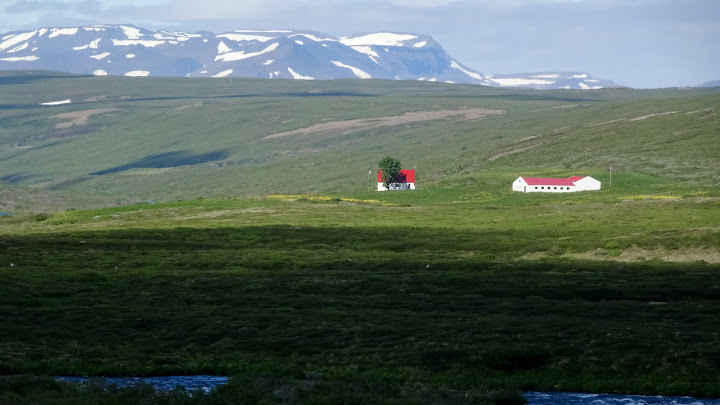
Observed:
{"x":638,"y":43}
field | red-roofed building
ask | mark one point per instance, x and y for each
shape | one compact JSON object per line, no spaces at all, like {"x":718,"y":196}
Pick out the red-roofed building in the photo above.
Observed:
{"x":553,"y":185}
{"x":405,"y":181}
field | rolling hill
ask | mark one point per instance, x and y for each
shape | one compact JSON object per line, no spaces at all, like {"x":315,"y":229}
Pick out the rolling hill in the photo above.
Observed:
{"x":169,"y":138}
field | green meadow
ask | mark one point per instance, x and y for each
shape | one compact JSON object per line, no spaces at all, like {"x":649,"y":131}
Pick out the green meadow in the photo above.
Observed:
{"x":272,"y":262}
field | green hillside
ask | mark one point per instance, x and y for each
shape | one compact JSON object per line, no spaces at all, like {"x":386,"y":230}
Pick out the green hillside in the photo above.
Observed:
{"x":166,"y":139}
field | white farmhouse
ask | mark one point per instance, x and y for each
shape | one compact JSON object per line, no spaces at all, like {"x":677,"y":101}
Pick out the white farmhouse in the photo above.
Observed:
{"x":553,"y":185}
{"x":405,"y":181}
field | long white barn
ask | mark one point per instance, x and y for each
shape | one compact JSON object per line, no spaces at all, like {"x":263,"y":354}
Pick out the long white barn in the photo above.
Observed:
{"x":554,"y":185}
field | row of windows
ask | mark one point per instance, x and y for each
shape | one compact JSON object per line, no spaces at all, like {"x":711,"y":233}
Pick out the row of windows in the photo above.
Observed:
{"x":554,"y":188}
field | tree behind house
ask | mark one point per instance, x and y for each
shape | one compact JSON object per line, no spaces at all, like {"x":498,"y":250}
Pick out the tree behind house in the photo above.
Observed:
{"x":390,"y":168}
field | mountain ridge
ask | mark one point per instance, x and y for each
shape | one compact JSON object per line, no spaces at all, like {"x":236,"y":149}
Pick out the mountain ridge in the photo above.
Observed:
{"x":128,"y":50}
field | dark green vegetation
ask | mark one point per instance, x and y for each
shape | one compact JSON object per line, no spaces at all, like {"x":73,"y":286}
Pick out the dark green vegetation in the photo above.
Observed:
{"x":283,"y":288}
{"x":460,"y":291}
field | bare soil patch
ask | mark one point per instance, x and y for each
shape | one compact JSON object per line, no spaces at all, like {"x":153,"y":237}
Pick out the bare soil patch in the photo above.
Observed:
{"x":182,"y":107}
{"x":644,"y":117}
{"x":80,"y":117}
{"x":345,"y":127}
{"x":514,"y":151}
{"x":97,"y":98}
{"x":686,"y":255}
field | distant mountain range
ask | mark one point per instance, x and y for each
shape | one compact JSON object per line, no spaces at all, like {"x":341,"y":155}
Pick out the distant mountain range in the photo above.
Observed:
{"x":713,"y":83}
{"x":274,"y":54}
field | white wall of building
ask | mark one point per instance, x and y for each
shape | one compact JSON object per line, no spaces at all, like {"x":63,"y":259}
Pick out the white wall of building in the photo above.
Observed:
{"x":584,"y":184}
{"x":396,"y":186}
{"x":587,"y":183}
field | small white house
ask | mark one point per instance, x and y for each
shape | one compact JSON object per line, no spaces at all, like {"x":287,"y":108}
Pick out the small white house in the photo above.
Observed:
{"x":405,"y":181}
{"x":553,"y":185}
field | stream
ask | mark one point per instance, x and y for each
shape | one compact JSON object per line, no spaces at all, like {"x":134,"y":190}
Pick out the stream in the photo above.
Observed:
{"x":209,"y":382}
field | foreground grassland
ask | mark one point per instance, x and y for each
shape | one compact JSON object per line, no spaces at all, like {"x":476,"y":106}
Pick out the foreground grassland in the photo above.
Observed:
{"x":410,"y":297}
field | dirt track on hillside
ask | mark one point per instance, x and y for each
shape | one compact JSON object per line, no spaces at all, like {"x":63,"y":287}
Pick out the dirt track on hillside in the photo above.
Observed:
{"x":80,"y":117}
{"x":345,"y":127}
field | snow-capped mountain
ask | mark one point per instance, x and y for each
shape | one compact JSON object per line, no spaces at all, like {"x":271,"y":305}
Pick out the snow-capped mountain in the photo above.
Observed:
{"x":132,"y":51}
{"x":550,"y":80}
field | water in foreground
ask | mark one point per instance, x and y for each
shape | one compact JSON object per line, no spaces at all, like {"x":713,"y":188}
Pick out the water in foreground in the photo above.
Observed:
{"x":209,"y":382}
{"x":165,"y":383}
{"x":577,"y":398}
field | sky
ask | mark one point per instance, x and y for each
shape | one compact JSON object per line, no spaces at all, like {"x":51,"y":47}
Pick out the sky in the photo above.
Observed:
{"x":636,"y":43}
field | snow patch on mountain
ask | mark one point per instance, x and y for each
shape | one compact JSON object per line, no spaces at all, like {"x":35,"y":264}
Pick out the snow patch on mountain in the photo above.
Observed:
{"x":18,"y":48}
{"x":100,"y":56}
{"x":138,"y":73}
{"x":379,"y":39}
{"x":21,"y":58}
{"x":234,"y":56}
{"x":224,"y":73}
{"x":298,"y":76}
{"x":474,"y":75}
{"x":68,"y":101}
{"x":15,"y":39}
{"x":131,"y":32}
{"x":278,"y":31}
{"x":366,"y":50}
{"x":550,"y":80}
{"x":54,"y":32}
{"x":518,"y":82}
{"x":246,"y":37}
{"x":357,"y":72}
{"x":146,"y":43}
{"x":312,"y":37}
{"x":222,"y":48}
{"x":92,"y":45}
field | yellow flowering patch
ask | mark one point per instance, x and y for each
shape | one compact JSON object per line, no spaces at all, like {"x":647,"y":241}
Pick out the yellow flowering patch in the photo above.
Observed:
{"x":323,"y":198}
{"x":650,"y":197}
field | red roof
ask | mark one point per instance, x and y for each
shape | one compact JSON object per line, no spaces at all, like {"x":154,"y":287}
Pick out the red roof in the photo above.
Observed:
{"x":546,"y":181}
{"x":405,"y":176}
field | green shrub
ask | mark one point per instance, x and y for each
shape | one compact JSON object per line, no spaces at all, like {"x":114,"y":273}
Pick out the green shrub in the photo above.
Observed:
{"x":516,"y":357}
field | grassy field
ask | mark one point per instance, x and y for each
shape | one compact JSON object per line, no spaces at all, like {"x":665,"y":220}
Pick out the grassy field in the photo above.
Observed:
{"x":223,"y":249}
{"x":453,"y":289}
{"x":166,"y":139}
